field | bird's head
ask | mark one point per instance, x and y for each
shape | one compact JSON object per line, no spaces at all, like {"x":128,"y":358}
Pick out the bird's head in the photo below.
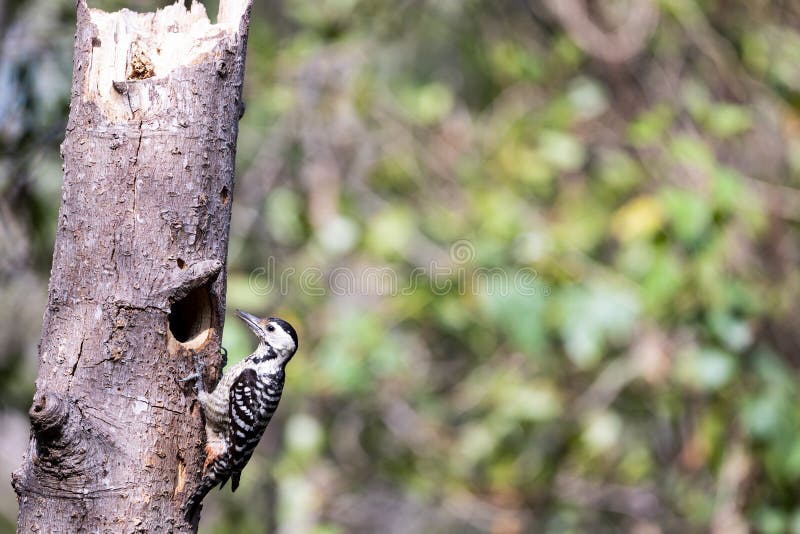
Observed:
{"x":272,"y":333}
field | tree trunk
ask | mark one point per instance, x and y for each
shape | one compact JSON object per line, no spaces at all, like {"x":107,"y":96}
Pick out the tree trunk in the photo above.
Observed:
{"x":137,"y":284}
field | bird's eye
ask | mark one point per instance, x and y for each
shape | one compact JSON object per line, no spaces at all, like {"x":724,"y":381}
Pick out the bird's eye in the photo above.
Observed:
{"x":271,"y":328}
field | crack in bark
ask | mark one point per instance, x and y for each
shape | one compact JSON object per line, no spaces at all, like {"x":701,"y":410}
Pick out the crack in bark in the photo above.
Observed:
{"x":104,"y":360}
{"x":136,"y":177}
{"x":95,"y":411}
{"x":127,"y":305}
{"x":91,"y":62}
{"x":138,"y":146}
{"x":114,"y":242}
{"x":78,"y":359}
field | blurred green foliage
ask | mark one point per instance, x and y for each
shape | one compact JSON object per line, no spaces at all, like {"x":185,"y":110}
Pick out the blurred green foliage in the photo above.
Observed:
{"x":645,"y":379}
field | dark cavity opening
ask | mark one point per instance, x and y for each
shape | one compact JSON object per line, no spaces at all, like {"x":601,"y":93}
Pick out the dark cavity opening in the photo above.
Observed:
{"x":190,"y":317}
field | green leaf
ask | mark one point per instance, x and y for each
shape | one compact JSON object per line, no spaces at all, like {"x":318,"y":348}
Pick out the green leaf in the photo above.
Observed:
{"x":618,"y":170}
{"x":427,"y":104}
{"x":762,"y":415}
{"x":727,"y":120}
{"x":514,"y":62}
{"x":530,"y":402}
{"x":735,"y":334}
{"x":517,"y":315}
{"x":476,"y":442}
{"x":588,"y":97}
{"x":591,"y":317}
{"x":651,"y":126}
{"x":707,"y":369}
{"x":282,"y":210}
{"x":770,"y":520}
{"x":689,"y":214}
{"x":391,"y":230}
{"x":602,"y":431}
{"x":561,"y":150}
{"x":693,"y":151}
{"x":639,"y":218}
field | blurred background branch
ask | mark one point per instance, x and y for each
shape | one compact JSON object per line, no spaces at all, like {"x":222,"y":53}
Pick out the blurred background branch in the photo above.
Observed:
{"x":619,"y":45}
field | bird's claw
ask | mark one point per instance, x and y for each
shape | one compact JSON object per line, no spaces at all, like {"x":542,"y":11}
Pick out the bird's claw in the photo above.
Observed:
{"x":199,"y":367}
{"x":193,"y":376}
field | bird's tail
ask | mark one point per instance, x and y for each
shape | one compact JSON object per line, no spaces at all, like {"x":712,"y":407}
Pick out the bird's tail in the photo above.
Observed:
{"x":217,"y":473}
{"x":193,"y":502}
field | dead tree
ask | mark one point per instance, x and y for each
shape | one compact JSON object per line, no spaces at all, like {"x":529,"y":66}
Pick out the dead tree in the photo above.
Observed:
{"x":138,"y":281}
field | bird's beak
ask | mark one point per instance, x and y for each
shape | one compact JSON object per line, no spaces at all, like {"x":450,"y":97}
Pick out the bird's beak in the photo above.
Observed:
{"x":250,"y":320}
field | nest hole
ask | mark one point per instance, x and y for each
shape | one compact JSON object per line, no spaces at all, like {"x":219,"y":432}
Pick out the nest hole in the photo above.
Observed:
{"x":190,"y":318}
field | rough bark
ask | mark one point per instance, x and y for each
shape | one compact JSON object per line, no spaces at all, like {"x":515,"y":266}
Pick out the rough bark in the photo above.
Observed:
{"x":137,"y":284}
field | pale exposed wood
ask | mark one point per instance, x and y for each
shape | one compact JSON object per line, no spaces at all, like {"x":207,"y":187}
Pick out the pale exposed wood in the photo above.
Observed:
{"x":138,"y":279}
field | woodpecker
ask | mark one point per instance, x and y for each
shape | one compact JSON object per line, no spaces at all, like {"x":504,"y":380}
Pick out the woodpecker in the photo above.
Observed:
{"x":239,"y":409}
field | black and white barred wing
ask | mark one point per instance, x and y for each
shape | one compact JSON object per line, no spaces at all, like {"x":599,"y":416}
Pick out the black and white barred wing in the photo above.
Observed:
{"x":250,"y":413}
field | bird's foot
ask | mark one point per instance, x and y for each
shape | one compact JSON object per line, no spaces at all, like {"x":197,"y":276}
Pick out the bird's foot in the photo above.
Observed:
{"x":197,"y":376}
{"x":187,"y":378}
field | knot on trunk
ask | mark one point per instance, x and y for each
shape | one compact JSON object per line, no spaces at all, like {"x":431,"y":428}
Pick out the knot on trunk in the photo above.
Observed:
{"x":68,"y":456}
{"x":49,"y":415}
{"x":59,"y":432}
